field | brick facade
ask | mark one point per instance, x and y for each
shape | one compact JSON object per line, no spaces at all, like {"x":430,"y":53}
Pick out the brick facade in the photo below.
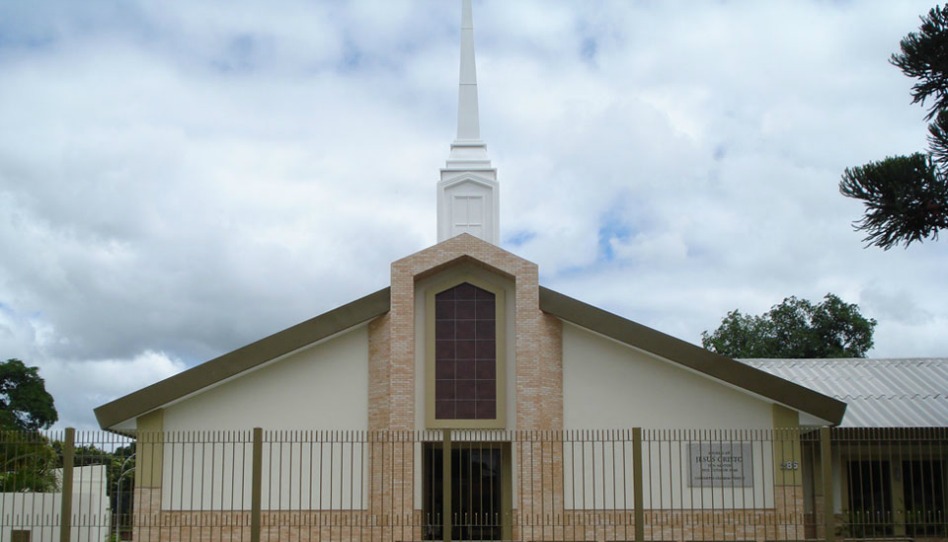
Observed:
{"x":538,"y":390}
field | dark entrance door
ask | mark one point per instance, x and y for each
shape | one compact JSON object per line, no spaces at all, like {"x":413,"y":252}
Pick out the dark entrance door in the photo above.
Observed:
{"x":923,"y":485}
{"x":475,"y":489}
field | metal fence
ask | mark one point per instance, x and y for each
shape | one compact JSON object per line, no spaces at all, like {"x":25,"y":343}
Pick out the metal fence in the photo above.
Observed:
{"x":661,"y":485}
{"x":887,"y":483}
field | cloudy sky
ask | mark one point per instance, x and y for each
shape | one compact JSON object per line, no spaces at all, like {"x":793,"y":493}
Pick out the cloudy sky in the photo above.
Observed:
{"x":178,"y":179}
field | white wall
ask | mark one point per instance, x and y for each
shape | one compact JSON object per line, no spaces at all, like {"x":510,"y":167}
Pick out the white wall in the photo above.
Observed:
{"x":609,"y":385}
{"x":321,"y":387}
{"x":35,"y":512}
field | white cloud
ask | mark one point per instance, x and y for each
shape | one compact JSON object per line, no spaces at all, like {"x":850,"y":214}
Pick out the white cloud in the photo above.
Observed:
{"x":78,"y":387}
{"x":177,"y":180}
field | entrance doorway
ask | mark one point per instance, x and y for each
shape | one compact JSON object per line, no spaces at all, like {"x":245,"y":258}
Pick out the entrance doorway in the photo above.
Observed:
{"x":870,"y":498}
{"x":477,"y":487}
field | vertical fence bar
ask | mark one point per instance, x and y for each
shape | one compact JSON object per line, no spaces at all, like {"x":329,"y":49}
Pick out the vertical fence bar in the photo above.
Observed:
{"x":65,"y":513}
{"x":638,"y":497}
{"x":446,"y":486}
{"x":826,"y":464}
{"x":256,"y":488}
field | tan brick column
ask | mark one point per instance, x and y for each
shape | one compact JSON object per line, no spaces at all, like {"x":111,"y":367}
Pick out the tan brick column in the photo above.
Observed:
{"x":379,"y":373}
{"x":788,"y":477}
{"x":537,"y":348}
{"x":148,"y":477}
{"x":538,"y":341}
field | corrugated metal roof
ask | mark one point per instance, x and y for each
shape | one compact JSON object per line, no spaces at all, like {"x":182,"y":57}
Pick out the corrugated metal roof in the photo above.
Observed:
{"x":879,"y":392}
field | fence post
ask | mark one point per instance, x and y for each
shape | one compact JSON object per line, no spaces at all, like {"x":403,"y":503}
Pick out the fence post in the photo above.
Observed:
{"x":446,"y":527}
{"x":637,"y":490}
{"x":256,"y":483}
{"x":65,"y":512}
{"x":826,"y":465}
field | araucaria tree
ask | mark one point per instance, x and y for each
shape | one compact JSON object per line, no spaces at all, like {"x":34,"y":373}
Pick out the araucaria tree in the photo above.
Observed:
{"x":796,"y":328}
{"x":906,"y":197}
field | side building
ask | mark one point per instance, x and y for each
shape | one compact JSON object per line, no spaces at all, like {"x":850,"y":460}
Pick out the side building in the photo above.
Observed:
{"x":890,"y":451}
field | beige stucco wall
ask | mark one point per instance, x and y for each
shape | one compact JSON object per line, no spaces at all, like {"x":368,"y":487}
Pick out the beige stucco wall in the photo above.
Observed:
{"x":608,"y":385}
{"x":324,"y":386}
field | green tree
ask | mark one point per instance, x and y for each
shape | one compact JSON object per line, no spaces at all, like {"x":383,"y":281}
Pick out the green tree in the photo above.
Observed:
{"x":24,"y":402}
{"x":906,"y":197}
{"x":27,"y":460}
{"x":796,"y":328}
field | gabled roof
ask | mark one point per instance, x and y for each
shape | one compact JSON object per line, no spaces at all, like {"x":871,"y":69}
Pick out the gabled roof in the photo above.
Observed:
{"x":692,"y":357}
{"x":243,"y":359}
{"x":879,"y":392}
{"x":232,"y":364}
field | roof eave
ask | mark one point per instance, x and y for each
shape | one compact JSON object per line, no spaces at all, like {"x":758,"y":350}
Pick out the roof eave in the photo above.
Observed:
{"x":243,"y":359}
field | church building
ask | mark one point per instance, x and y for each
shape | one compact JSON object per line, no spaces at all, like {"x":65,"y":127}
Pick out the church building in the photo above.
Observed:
{"x":468,"y":401}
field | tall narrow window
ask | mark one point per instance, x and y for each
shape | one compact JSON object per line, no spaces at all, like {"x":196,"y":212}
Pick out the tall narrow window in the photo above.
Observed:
{"x":465,"y":360}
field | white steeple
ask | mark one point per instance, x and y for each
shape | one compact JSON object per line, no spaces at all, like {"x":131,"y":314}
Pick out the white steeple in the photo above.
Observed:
{"x":468,"y":193}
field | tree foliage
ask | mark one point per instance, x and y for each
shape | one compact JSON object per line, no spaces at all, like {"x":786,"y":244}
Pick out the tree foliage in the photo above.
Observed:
{"x":796,"y":328}
{"x":24,"y":402}
{"x":924,"y":57}
{"x":906,"y":197}
{"x":27,"y":460}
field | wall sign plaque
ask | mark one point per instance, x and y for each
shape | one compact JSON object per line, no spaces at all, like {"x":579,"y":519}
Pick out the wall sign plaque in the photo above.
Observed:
{"x":721,"y":464}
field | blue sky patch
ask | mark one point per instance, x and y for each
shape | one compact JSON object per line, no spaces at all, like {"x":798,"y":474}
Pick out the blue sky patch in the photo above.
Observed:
{"x":352,"y":57}
{"x":241,"y":54}
{"x":588,"y":49}
{"x":612,"y":225}
{"x":520,"y":238}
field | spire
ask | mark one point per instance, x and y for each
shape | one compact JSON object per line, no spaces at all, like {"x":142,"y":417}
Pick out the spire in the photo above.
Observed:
{"x":468,"y":195}
{"x":468,"y":123}
{"x":468,"y":151}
